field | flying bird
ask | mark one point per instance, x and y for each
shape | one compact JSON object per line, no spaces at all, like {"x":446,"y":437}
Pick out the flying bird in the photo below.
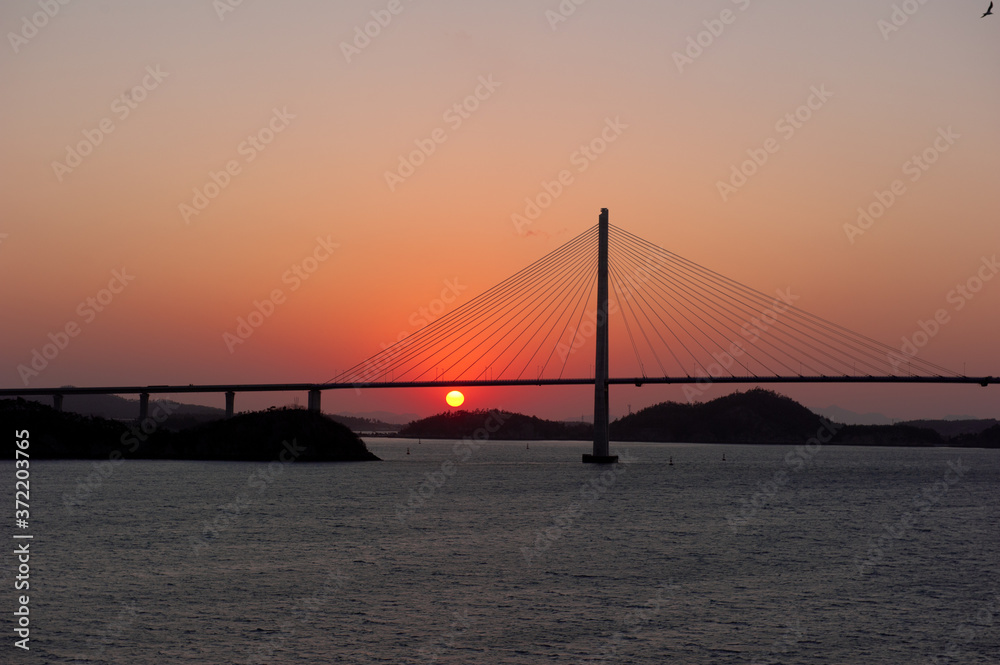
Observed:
{"x":989,"y":11}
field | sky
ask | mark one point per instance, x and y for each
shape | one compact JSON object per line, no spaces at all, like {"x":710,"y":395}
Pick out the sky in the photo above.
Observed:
{"x":170,"y":167}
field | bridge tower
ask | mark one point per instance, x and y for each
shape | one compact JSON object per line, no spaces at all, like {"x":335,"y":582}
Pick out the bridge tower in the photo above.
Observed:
{"x":601,"y":453}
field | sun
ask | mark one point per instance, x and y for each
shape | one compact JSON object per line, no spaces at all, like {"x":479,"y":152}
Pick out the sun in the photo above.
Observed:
{"x":454,"y":398}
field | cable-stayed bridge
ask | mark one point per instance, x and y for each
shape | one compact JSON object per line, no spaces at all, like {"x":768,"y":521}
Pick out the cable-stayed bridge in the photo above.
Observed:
{"x":549,"y":324}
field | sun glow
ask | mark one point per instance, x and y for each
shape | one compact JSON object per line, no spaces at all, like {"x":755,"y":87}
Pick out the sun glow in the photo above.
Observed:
{"x":455,"y":398}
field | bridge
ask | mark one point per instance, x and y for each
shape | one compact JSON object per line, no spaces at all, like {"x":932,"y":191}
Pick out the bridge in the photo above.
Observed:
{"x":684,"y":322}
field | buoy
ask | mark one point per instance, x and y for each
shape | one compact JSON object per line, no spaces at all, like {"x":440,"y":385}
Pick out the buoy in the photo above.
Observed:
{"x":671,"y":461}
{"x":407,"y":451}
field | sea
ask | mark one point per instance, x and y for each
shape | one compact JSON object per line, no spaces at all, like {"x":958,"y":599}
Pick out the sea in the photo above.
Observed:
{"x":484,"y":551}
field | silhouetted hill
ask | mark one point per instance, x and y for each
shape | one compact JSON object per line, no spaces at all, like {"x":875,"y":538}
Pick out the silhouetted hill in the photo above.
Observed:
{"x":55,"y":435}
{"x":306,"y":436}
{"x":951,"y":428}
{"x":988,"y":438}
{"x":755,"y":416}
{"x":886,"y":435}
{"x":508,"y":427}
{"x":257,"y":436}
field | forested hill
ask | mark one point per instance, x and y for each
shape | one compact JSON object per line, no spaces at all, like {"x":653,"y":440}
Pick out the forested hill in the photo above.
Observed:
{"x":276,"y":434}
{"x":755,"y":416}
{"x":498,"y":425}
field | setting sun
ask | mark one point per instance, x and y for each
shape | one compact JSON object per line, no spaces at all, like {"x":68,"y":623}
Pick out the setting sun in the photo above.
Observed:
{"x":455,"y":398}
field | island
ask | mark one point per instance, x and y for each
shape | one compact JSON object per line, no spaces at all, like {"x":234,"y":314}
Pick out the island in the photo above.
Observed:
{"x":277,"y":434}
{"x":756,"y":416}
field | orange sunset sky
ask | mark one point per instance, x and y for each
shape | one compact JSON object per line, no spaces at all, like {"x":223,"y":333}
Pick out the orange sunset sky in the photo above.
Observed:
{"x":121,"y":118}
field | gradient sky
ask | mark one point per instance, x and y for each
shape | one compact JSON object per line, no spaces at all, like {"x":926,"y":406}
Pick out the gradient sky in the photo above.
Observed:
{"x":226,"y":75}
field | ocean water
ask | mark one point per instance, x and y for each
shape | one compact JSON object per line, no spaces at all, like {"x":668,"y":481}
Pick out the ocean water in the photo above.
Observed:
{"x":505,"y":553}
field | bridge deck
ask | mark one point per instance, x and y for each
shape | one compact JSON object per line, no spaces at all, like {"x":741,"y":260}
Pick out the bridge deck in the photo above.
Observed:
{"x":638,"y":381}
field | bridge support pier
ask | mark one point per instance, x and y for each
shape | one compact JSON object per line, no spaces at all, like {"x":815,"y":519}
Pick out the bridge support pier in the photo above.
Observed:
{"x":57,"y":402}
{"x":601,"y":454}
{"x":143,"y":406}
{"x":314,"y":400}
{"x":230,"y":403}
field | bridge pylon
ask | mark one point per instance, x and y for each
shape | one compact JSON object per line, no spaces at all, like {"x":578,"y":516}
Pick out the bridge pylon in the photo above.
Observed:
{"x":601,"y":453}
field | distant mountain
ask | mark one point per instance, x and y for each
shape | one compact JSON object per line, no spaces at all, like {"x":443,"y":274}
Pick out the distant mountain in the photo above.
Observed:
{"x":839,"y":415}
{"x":119,"y":408}
{"x":385,"y":416}
{"x":360,"y":424}
{"x":499,"y":425}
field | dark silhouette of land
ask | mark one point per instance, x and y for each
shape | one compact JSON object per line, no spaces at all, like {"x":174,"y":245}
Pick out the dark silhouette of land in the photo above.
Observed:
{"x":181,"y":416}
{"x":763,"y":416}
{"x":276,"y":434}
{"x":754,"y":416}
{"x":512,"y":427}
{"x":953,"y":428}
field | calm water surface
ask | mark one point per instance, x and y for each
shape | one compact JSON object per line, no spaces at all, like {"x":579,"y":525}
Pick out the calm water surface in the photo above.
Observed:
{"x":509,"y":554}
